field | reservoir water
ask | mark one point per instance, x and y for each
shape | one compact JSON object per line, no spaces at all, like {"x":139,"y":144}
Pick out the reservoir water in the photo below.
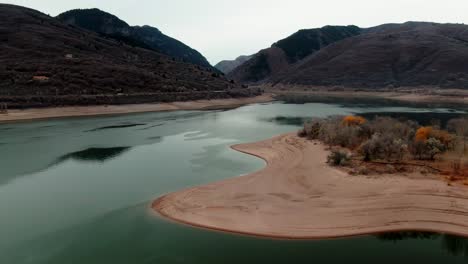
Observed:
{"x":78,"y":190}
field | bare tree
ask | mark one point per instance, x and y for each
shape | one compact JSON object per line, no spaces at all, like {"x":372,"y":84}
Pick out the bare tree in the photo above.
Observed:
{"x":459,"y":126}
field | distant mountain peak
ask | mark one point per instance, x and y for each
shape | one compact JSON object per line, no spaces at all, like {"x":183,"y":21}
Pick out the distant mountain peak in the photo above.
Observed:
{"x":227,"y":66}
{"x":93,"y":19}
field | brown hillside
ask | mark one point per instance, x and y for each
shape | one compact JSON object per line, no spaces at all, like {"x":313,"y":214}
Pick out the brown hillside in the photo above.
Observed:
{"x":46,"y":62}
{"x":411,"y":54}
{"x":288,"y":51}
{"x":264,"y":64}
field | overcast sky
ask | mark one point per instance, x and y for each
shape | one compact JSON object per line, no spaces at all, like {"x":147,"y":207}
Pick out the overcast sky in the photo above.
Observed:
{"x":222,"y":29}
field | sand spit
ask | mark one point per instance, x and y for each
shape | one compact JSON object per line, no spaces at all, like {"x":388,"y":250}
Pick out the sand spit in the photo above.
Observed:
{"x":298,"y":196}
{"x":70,"y":111}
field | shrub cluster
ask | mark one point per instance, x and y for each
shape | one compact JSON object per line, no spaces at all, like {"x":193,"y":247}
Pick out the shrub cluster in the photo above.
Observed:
{"x":339,"y":157}
{"x":382,"y":138}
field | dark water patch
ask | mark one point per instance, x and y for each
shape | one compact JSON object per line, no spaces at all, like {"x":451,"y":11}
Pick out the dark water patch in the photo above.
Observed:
{"x":398,"y":236}
{"x":36,"y":138}
{"x":455,"y":245}
{"x":452,"y":244}
{"x":348,"y":101}
{"x":287,"y":120}
{"x":95,"y":154}
{"x":424,"y":119}
{"x":48,"y":126}
{"x":153,"y":126}
{"x":114,"y":127}
{"x":5,"y":128}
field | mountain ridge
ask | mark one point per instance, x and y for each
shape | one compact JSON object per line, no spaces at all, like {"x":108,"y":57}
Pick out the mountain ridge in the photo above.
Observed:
{"x":392,"y":55}
{"x":144,"y":36}
{"x":388,"y":55}
{"x":288,"y":51}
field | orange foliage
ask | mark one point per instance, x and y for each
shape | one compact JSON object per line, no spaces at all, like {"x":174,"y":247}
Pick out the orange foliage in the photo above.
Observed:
{"x":353,"y":120}
{"x":423,"y":133}
{"x":443,"y":136}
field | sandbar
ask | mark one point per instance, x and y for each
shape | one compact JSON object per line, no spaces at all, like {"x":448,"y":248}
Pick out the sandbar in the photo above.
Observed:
{"x":298,"y":196}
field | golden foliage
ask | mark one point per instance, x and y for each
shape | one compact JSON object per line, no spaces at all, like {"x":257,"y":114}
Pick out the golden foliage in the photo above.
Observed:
{"x":423,"y":133}
{"x":353,"y":120}
{"x":443,"y":136}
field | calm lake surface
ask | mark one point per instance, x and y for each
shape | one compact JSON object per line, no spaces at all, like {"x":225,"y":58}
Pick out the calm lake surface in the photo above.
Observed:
{"x":78,"y":190}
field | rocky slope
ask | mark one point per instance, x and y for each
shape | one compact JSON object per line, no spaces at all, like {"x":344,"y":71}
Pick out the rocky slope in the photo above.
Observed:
{"x":389,"y":55}
{"x":393,"y":55}
{"x":290,"y":50}
{"x":227,"y":66}
{"x":45,"y":62}
{"x":144,"y":36}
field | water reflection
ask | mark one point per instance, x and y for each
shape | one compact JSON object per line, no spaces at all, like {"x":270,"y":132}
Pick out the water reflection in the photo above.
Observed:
{"x":287,"y":120}
{"x":362,"y":101}
{"x":423,"y":119}
{"x":454,"y":245}
{"x":95,"y":154}
{"x":156,"y":138}
{"x":115,"y":126}
{"x":397,"y":236}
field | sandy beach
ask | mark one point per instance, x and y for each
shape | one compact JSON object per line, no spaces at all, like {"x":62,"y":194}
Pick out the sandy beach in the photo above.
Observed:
{"x":298,"y":196}
{"x":57,"y":112}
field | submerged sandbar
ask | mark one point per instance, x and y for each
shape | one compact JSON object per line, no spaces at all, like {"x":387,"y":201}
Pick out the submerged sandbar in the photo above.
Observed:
{"x":298,"y":196}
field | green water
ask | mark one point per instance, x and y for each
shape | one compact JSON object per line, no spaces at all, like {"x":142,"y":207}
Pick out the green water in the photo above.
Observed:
{"x":78,"y":190}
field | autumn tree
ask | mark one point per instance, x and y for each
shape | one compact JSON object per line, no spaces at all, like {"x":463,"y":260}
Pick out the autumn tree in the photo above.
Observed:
{"x":353,"y":120}
{"x":423,"y":133}
{"x":429,"y":142}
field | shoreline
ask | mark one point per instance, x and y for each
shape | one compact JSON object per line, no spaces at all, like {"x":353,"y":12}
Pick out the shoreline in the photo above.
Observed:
{"x":290,"y":238}
{"x":409,"y":95}
{"x":16,"y":115}
{"x":285,"y":200}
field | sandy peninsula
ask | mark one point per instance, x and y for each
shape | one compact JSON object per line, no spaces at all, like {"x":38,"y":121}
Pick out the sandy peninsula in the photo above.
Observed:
{"x":298,"y":196}
{"x":71,"y":111}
